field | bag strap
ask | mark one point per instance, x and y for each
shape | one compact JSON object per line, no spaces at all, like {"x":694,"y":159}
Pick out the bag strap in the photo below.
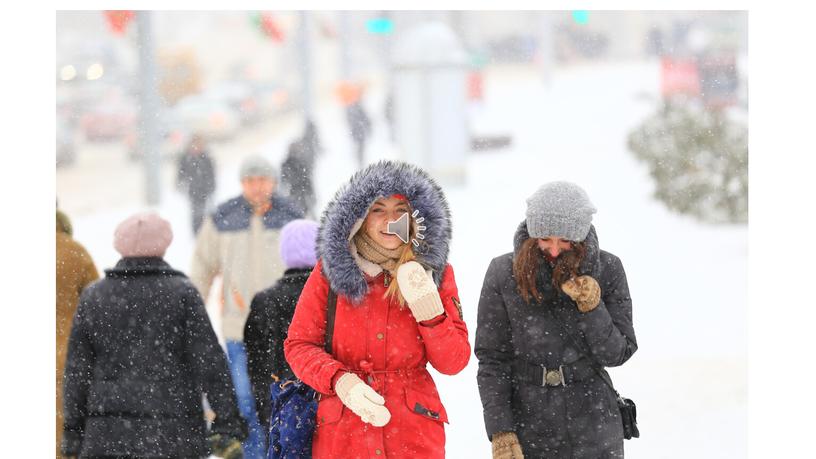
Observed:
{"x":331,"y":307}
{"x":584,"y":351}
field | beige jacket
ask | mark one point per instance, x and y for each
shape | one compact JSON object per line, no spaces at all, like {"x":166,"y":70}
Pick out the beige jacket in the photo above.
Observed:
{"x":244,"y":249}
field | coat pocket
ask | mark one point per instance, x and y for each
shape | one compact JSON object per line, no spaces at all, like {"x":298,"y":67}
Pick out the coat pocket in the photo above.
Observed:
{"x":427,"y":406}
{"x":329,"y":410}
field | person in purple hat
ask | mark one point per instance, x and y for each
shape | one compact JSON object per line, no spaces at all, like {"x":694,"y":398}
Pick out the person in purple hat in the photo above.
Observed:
{"x":271,"y":312}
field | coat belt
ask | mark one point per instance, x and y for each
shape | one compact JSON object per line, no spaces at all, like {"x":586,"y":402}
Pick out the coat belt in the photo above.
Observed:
{"x":558,"y":375}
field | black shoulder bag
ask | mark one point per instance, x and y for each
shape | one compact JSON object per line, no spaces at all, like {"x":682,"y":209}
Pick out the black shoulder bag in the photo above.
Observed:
{"x":628,"y":411}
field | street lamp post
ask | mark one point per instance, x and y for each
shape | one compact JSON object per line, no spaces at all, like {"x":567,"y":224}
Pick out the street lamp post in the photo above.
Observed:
{"x":148,"y":107}
{"x":304,"y":45}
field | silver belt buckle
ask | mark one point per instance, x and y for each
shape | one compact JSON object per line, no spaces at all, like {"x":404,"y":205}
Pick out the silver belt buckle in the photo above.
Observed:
{"x":553,"y":377}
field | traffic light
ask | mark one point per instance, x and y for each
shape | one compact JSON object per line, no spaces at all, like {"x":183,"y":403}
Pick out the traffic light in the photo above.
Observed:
{"x":267,"y":25}
{"x":380,"y":26}
{"x":118,"y":20}
{"x":580,"y":17}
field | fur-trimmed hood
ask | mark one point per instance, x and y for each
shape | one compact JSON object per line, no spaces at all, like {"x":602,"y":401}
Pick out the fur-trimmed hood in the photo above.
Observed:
{"x":591,"y":263}
{"x":350,"y":204}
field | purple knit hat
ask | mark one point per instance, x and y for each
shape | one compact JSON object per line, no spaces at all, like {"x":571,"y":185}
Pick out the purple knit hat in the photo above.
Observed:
{"x":298,"y":244}
{"x":143,"y":234}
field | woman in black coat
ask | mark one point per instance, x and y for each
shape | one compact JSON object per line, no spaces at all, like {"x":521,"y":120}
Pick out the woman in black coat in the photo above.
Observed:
{"x":141,"y":354}
{"x":549,"y":312}
{"x":271,"y":313}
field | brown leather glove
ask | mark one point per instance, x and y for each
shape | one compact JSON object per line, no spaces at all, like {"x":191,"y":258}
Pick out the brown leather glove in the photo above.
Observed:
{"x":585,"y":291}
{"x":506,"y":446}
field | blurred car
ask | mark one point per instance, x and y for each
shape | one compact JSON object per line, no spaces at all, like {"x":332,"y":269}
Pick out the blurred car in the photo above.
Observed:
{"x":576,"y":42}
{"x":73,"y":100}
{"x":67,"y":107}
{"x":173,"y":139}
{"x":66,"y":145}
{"x":108,"y":120}
{"x":240,"y":96}
{"x":272,"y":98}
{"x":513,"y":48}
{"x":211,"y":118}
{"x":719,"y":78}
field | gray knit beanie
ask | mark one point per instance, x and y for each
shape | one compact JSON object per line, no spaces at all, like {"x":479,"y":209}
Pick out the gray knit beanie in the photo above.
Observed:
{"x":559,"y":209}
{"x":258,"y":166}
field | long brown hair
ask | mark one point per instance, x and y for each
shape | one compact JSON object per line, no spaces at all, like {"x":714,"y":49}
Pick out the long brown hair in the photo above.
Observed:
{"x":407,"y":255}
{"x":393,"y":290}
{"x":528,"y":260}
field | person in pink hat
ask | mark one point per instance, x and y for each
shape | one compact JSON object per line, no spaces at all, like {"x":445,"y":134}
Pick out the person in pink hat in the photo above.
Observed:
{"x":141,"y":354}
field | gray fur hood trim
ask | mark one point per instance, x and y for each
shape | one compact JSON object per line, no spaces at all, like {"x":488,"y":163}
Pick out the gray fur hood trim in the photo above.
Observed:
{"x":351,"y":203}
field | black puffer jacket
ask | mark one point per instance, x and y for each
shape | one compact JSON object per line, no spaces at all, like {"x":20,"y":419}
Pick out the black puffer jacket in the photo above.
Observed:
{"x":141,"y":353}
{"x":513,"y":339}
{"x":264,"y":332}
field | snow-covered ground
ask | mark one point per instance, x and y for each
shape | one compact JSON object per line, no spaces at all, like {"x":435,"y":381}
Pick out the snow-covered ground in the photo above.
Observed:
{"x":688,"y":280}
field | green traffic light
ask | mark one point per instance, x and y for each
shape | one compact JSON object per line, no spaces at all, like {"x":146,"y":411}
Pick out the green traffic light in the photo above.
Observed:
{"x":580,"y":16}
{"x":380,"y":26}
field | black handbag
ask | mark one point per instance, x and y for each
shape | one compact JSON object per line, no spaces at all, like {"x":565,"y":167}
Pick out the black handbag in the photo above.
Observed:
{"x":628,"y":410}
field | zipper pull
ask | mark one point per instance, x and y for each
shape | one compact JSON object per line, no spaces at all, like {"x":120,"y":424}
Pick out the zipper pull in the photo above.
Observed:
{"x":386,"y":279}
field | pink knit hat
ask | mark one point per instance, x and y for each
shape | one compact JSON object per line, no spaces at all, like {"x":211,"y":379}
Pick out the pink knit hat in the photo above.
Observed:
{"x":144,"y":234}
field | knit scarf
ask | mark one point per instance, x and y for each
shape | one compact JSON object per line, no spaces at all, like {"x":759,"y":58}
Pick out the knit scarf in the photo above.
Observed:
{"x":375,"y":253}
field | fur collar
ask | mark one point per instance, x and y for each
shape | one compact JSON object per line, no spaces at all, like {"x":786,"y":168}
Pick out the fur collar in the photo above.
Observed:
{"x":344,"y":215}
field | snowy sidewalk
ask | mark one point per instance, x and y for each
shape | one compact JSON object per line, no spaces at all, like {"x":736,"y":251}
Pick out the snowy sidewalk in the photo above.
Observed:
{"x":688,"y":280}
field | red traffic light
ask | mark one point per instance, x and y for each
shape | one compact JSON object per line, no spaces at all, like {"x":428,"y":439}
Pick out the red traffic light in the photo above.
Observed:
{"x":118,"y":20}
{"x":271,"y":28}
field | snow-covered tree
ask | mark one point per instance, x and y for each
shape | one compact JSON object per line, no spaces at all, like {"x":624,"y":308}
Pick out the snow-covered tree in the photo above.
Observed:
{"x":698,"y":159}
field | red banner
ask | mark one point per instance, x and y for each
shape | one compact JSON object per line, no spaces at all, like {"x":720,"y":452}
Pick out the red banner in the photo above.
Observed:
{"x":679,"y":76}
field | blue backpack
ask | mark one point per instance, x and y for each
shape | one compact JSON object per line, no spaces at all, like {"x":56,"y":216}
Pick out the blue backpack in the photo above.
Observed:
{"x":294,"y":408}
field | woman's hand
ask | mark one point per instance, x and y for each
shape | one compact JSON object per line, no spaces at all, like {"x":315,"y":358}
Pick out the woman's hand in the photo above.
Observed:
{"x":506,"y":446}
{"x":419,"y":291}
{"x":361,"y":399}
{"x":585,"y":291}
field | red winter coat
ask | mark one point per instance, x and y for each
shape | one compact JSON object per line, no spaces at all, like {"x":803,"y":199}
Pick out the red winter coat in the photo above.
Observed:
{"x":387,"y":348}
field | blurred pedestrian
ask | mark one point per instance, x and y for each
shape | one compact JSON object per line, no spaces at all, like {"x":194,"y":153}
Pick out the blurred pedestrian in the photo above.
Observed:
{"x":271,"y":313}
{"x":75,"y":271}
{"x":297,"y":169}
{"x":654,"y":42}
{"x":142,"y":352}
{"x":360,"y":127}
{"x":196,"y":176}
{"x":388,"y":113}
{"x":552,"y":314}
{"x":240,"y":241}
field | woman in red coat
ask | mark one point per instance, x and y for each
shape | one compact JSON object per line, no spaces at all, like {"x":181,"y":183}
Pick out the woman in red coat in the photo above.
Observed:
{"x":397,"y":310}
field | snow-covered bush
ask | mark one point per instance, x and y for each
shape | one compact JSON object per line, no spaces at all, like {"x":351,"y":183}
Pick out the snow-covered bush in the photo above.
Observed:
{"x":698,"y":159}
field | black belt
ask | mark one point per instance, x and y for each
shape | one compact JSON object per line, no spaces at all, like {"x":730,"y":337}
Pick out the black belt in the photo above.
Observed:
{"x":561,"y":375}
